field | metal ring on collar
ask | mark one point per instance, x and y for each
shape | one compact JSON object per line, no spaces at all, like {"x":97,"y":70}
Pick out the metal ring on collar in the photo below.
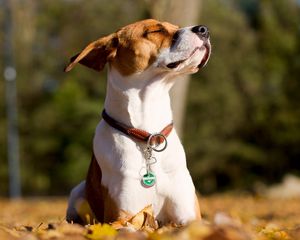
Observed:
{"x":155,"y":147}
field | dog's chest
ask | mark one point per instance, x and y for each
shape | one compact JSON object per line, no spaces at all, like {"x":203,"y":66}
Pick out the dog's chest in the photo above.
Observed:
{"x":123,"y":165}
{"x":120,"y":154}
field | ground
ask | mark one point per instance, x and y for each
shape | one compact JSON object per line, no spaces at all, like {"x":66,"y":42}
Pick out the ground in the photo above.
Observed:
{"x":227,"y":216}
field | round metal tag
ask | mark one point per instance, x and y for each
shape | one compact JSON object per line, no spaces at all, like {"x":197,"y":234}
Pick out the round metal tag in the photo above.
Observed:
{"x":148,"y":180}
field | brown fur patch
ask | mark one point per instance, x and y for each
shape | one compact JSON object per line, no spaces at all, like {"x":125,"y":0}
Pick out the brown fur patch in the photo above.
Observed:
{"x":101,"y":203}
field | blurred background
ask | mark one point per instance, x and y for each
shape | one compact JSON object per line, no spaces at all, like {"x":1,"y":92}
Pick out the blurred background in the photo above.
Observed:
{"x":241,"y":129}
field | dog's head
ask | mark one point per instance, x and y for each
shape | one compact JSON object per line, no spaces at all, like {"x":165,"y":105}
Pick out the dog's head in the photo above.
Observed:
{"x":148,"y":44}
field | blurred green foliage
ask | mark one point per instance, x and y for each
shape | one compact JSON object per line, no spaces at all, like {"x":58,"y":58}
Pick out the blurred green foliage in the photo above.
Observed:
{"x":244,"y":110}
{"x":243,"y":121}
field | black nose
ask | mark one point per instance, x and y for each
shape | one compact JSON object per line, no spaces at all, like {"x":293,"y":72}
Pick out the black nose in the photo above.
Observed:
{"x":201,"y":30}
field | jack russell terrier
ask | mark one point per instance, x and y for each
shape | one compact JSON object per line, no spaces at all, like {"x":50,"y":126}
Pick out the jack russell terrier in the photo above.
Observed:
{"x":138,"y":158}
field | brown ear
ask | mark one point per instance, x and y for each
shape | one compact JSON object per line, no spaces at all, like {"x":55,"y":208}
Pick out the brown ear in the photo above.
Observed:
{"x":96,"y":54}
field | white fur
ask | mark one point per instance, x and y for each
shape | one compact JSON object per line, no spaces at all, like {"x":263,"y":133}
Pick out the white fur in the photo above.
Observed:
{"x":142,"y":101}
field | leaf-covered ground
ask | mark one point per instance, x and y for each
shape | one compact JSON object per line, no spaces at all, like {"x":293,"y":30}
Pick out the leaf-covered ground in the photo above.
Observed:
{"x":226,"y":217}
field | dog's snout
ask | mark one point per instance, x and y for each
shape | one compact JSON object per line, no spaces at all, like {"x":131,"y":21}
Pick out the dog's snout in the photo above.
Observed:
{"x":201,"y":30}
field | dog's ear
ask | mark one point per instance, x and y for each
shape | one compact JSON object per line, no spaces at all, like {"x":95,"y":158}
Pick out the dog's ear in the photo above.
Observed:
{"x":96,"y":54}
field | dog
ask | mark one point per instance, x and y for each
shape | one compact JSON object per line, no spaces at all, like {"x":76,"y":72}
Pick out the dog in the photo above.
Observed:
{"x":138,"y":158}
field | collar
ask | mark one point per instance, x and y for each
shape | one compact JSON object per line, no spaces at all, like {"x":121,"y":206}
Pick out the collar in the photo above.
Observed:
{"x":136,"y":133}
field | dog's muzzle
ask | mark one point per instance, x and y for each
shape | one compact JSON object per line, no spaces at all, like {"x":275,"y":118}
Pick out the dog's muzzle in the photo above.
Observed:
{"x":203,"y":33}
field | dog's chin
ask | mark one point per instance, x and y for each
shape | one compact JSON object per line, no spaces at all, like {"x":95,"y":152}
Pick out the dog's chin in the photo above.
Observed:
{"x":198,"y":59}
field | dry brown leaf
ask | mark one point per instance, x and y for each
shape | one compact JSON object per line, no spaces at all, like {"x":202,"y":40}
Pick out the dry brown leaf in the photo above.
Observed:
{"x":143,"y":220}
{"x":122,"y":220}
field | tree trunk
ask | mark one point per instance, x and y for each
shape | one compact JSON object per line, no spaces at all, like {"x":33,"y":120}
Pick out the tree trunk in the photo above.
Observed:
{"x":182,"y":13}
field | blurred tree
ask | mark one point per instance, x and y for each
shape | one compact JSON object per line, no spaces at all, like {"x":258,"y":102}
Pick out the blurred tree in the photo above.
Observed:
{"x":219,"y":102}
{"x":3,"y":126}
{"x":182,"y":13}
{"x":10,"y":76}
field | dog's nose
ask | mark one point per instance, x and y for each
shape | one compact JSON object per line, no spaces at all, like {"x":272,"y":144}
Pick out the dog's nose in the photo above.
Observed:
{"x":201,"y":30}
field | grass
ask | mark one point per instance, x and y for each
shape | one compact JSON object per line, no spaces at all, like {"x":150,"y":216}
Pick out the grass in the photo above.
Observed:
{"x":225,"y":217}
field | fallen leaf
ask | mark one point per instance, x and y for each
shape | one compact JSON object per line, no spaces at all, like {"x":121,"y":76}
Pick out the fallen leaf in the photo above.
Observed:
{"x":143,"y":220}
{"x":98,"y":231}
{"x":122,"y":220}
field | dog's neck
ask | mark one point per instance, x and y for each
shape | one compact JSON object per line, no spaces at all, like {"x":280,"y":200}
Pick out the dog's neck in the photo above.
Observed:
{"x":140,"y":100}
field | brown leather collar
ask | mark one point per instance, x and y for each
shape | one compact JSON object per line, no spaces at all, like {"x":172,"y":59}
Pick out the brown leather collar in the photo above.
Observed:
{"x":136,"y":133}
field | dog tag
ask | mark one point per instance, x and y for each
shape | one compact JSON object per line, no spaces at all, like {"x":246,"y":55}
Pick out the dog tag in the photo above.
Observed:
{"x":148,"y":180}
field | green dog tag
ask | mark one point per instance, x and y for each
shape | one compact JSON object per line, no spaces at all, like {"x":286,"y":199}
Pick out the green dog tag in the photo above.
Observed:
{"x":148,"y":179}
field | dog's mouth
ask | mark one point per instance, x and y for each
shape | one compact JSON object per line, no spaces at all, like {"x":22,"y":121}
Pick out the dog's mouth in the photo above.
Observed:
{"x":204,"y":60}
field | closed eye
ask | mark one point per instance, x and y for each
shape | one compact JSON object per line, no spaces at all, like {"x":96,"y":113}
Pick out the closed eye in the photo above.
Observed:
{"x":161,"y":30}
{"x":157,"y":31}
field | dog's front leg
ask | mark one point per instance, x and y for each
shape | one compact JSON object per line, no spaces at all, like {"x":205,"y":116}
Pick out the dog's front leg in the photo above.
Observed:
{"x":183,"y":202}
{"x":131,"y":196}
